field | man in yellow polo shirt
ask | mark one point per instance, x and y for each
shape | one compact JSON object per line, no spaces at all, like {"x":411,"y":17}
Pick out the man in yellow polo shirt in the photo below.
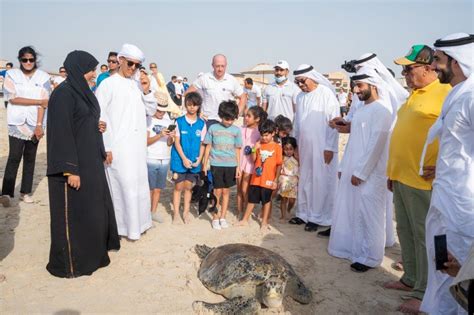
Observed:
{"x":411,"y":192}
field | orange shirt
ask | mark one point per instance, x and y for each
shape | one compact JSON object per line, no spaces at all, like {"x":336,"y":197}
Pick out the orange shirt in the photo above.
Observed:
{"x":274,"y":155}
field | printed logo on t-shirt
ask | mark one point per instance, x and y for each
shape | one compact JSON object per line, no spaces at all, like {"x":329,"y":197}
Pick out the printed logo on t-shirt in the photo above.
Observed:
{"x":198,"y":133}
{"x":269,"y":183}
{"x":157,"y":129}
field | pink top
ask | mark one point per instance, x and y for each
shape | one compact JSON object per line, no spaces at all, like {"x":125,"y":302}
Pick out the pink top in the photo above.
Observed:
{"x":250,"y":136}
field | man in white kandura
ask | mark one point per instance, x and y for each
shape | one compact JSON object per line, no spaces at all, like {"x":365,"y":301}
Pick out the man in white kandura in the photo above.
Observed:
{"x":318,"y":146}
{"x":452,"y":200}
{"x":124,"y":106}
{"x":358,"y":230}
{"x":393,"y":95}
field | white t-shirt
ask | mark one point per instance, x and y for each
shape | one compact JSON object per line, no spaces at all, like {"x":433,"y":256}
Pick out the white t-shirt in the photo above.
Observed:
{"x":342,"y":98}
{"x":215,"y":91}
{"x":19,"y":85}
{"x":179,"y":89}
{"x":160,"y":149}
{"x":58,"y":80}
{"x":281,"y":100}
{"x":252,"y":95}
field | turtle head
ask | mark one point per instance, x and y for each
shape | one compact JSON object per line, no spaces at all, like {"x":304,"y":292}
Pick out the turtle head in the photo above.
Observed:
{"x":273,"y":292}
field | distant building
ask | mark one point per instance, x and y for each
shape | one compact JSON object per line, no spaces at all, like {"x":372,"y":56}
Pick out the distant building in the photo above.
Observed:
{"x":339,"y":79}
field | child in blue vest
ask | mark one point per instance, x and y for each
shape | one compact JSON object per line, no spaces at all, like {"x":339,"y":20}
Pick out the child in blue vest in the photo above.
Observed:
{"x":223,"y":142}
{"x":187,"y":153}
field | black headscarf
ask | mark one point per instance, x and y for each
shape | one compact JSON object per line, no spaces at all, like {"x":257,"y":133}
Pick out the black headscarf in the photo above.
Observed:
{"x":77,"y":64}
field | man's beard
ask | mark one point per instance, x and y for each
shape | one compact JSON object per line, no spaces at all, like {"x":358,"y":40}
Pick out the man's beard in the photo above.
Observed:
{"x":445,"y":75}
{"x":365,"y":95}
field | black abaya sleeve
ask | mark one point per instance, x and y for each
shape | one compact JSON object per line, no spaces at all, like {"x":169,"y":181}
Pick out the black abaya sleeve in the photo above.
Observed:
{"x":61,"y":144}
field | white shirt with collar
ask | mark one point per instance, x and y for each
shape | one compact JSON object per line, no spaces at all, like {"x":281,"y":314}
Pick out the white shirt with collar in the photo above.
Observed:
{"x":252,"y":95}
{"x":17,"y":84}
{"x":215,"y":91}
{"x":281,"y":99}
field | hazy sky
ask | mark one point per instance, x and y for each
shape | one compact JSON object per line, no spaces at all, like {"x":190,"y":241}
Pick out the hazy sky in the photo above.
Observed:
{"x":181,"y":36}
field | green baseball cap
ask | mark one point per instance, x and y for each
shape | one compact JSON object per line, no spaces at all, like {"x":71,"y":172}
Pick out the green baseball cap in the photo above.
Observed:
{"x":418,"y":54}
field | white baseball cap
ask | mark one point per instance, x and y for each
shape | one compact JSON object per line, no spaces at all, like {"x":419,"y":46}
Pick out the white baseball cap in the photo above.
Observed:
{"x":282,"y":64}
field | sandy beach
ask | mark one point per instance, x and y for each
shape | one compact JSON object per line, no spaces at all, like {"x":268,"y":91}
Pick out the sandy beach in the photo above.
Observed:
{"x":158,"y":273}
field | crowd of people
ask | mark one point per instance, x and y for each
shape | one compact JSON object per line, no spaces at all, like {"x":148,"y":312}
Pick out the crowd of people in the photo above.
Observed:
{"x":113,"y":146}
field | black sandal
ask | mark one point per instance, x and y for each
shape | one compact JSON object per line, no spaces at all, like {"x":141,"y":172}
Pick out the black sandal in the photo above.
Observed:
{"x":311,"y":227}
{"x":358,"y":267}
{"x":296,"y":221}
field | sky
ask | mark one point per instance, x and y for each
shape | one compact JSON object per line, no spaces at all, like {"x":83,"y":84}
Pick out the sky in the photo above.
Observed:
{"x":182,"y":36}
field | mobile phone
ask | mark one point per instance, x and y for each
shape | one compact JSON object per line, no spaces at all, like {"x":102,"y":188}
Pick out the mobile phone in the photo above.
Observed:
{"x":441,"y":251}
{"x":171,"y":127}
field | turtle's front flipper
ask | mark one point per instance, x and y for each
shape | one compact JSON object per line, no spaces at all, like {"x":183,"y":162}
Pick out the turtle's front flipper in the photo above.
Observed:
{"x":238,"y":305}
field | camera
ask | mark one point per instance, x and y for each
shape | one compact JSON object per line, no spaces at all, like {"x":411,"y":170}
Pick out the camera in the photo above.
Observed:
{"x":349,"y":66}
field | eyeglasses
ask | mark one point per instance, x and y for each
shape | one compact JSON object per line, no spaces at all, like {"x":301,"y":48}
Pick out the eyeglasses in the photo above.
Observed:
{"x":131,"y":64}
{"x":298,"y":82}
{"x":112,"y":61}
{"x":408,"y":69}
{"x":153,"y":67}
{"x":25,"y":60}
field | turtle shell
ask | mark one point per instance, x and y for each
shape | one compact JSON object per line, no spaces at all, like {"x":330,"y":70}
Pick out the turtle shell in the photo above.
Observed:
{"x":241,"y":264}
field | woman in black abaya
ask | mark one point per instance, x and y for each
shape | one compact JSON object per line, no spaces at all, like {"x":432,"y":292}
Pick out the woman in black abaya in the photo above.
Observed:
{"x":83,"y":226}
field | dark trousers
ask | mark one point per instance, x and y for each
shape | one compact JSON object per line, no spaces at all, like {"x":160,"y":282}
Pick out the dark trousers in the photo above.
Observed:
{"x":19,"y":148}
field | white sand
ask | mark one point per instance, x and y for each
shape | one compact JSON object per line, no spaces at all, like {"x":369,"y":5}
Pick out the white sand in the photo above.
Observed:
{"x":157,"y":274}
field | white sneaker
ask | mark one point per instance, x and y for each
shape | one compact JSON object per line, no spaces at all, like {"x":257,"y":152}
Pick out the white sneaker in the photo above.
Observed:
{"x":5,"y":201}
{"x":155,"y":216}
{"x":216,"y":225}
{"x":223,"y":223}
{"x":26,"y":198}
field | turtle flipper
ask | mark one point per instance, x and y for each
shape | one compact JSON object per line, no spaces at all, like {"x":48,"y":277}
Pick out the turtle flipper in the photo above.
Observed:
{"x":298,"y":291}
{"x":237,"y":305}
{"x":202,"y":250}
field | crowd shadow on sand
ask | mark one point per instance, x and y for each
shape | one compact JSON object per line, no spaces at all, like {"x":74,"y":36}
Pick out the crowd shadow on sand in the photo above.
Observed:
{"x":10,"y":217}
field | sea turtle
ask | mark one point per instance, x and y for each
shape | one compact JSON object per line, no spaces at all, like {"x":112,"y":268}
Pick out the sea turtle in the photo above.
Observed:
{"x":247,"y":275}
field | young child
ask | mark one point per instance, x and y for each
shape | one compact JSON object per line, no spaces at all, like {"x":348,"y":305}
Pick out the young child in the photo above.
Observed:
{"x":158,"y":155}
{"x":284,"y":127}
{"x":250,"y":135}
{"x":268,"y":160}
{"x":187,"y":153}
{"x":288,"y":181}
{"x":223,"y":142}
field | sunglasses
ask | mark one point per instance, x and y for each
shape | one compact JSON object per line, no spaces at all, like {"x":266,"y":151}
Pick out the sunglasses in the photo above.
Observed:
{"x":298,"y":82}
{"x":112,"y":61}
{"x":408,"y":69}
{"x":25,"y":60}
{"x":131,"y":64}
{"x":152,"y":67}
{"x":62,"y":71}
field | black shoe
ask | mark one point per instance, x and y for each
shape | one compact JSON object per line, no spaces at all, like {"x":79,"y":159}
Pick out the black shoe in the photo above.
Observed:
{"x":325,"y":233}
{"x":358,"y":267}
{"x":311,"y":227}
{"x":296,"y":221}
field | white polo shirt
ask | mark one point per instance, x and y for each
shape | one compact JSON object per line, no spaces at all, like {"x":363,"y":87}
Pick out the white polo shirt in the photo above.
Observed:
{"x":215,"y":91}
{"x":281,"y":99}
{"x":252,"y":95}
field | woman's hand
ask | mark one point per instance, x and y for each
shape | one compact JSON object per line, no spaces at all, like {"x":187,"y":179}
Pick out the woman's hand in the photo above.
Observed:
{"x":74,"y":181}
{"x":109,"y":158}
{"x":39,"y":132}
{"x":44,"y":103}
{"x":102,"y":126}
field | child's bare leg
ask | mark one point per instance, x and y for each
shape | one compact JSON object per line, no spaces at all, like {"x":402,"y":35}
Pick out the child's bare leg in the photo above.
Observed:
{"x":283,"y":208}
{"x":188,"y":186}
{"x":291,"y":204}
{"x":218,"y":194}
{"x":176,"y":201}
{"x":247,"y":214}
{"x":225,"y":202}
{"x":265,"y":213}
{"x":244,"y":180}
{"x":155,"y":198}
{"x":240,"y":195}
